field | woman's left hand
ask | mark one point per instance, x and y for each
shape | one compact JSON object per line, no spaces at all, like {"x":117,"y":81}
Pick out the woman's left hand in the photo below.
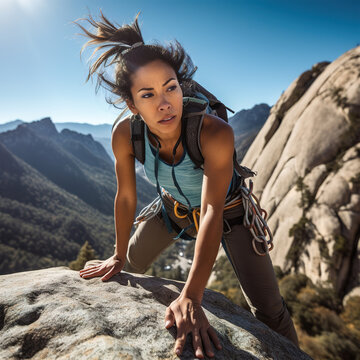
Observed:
{"x":190,"y":317}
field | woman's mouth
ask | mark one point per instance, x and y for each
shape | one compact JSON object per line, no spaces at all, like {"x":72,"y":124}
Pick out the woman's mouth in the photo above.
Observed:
{"x":168,"y":120}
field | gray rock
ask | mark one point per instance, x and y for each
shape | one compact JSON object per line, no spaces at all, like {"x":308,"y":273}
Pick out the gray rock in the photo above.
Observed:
{"x":313,"y":132}
{"x":55,"y":314}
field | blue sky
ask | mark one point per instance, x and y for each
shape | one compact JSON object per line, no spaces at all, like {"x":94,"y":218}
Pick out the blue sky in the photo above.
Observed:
{"x":247,"y":52}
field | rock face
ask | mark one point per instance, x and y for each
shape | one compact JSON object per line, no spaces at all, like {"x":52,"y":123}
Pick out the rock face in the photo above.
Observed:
{"x":54,"y":313}
{"x":307,"y":156}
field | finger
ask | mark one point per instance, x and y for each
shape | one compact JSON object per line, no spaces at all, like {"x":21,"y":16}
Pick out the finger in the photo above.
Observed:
{"x":206,"y":342}
{"x":109,"y":274}
{"x":214,"y":337}
{"x":88,"y":269}
{"x":181,"y":320}
{"x":180,"y":340}
{"x":90,"y":275}
{"x":169,"y":318}
{"x":94,"y":273}
{"x":92,"y":269}
{"x":197,"y":344}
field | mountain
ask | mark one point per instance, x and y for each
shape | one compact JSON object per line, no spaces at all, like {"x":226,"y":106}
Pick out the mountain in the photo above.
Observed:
{"x":97,"y":131}
{"x":72,"y":161}
{"x":246,"y":125}
{"x":41,"y":224}
{"x":75,"y":162}
{"x":307,"y":156}
{"x":10,"y":125}
{"x":101,"y":133}
{"x":56,"y":192}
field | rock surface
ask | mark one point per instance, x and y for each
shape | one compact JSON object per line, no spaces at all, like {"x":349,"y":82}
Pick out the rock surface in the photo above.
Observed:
{"x":313,"y":133}
{"x":55,"y":314}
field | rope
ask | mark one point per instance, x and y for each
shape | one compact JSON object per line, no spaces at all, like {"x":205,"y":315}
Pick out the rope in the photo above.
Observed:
{"x":254,"y":221}
{"x":149,"y":211}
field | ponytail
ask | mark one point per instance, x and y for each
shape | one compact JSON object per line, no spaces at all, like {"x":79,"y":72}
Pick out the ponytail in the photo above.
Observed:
{"x":127,"y":58}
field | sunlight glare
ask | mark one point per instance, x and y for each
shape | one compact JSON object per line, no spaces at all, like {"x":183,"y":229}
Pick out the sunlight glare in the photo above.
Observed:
{"x":28,"y":6}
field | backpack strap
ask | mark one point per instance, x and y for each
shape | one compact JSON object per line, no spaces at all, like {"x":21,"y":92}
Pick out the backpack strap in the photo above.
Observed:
{"x":194,"y":111}
{"x":192,"y":107}
{"x":193,"y":116}
{"x":137,"y":131}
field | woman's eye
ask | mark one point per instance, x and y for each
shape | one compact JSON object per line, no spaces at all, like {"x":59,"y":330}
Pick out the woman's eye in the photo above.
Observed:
{"x":171,"y":88}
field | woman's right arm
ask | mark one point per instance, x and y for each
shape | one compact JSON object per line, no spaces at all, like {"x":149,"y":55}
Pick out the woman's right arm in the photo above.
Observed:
{"x":125,"y":203}
{"x":125,"y":199}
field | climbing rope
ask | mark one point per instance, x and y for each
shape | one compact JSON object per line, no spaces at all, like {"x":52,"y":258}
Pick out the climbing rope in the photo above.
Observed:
{"x":149,"y":211}
{"x":254,"y":220}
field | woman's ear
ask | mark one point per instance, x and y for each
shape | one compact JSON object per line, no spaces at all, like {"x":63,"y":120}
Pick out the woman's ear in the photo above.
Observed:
{"x":131,"y":107}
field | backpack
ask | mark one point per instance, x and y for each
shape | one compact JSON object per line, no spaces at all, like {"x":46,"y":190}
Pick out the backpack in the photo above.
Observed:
{"x":195,"y":106}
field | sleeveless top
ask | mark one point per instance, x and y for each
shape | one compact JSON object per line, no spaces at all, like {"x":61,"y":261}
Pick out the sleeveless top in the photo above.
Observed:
{"x":189,"y":179}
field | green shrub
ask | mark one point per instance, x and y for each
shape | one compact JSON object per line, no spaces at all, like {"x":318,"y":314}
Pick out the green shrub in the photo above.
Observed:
{"x":291,"y":284}
{"x":302,"y":233}
{"x":317,"y":320}
{"x":351,"y":313}
{"x":86,"y":253}
{"x":338,"y":347}
{"x":323,"y":248}
{"x":327,"y":297}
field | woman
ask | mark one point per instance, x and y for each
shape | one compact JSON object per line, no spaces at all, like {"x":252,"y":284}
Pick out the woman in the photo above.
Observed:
{"x":152,"y":80}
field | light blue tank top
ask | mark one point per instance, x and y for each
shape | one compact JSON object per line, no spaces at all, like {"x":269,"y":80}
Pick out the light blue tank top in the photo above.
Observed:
{"x":189,"y":179}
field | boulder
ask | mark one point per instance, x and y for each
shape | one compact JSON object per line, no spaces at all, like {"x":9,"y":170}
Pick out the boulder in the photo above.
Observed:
{"x":55,"y":314}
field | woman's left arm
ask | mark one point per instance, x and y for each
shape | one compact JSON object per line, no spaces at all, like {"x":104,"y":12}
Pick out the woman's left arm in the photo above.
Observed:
{"x":217,"y":143}
{"x":217,"y":149}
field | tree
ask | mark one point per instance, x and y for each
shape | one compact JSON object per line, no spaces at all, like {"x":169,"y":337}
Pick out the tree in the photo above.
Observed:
{"x":86,"y":253}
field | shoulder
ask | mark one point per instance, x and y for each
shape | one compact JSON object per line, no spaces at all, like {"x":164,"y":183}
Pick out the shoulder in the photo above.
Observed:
{"x":216,"y":136}
{"x":121,"y":138}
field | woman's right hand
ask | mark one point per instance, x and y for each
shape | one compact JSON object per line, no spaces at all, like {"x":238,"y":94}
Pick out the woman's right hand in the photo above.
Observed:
{"x":109,"y":267}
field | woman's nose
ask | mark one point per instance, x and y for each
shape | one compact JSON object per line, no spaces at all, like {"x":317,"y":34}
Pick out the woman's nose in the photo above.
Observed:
{"x":164,"y":105}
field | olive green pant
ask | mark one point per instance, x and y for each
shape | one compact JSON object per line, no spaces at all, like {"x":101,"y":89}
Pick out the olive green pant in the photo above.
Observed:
{"x":254,"y":272}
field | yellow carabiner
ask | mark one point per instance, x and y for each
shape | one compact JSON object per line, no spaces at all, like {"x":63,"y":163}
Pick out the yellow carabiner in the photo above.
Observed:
{"x":194,"y":213}
{"x":176,"y":205}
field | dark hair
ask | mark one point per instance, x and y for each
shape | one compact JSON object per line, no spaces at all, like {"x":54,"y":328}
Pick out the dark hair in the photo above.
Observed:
{"x":119,"y":38}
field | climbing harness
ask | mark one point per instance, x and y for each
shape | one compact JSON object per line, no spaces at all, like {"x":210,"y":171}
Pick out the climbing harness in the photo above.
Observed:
{"x":254,"y":218}
{"x":194,"y":109}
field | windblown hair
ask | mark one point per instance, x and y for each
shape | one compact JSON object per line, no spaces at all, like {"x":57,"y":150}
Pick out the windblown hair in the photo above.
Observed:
{"x":118,"y":38}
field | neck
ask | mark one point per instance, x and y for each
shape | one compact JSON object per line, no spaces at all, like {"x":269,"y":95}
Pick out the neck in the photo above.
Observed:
{"x":168,"y":141}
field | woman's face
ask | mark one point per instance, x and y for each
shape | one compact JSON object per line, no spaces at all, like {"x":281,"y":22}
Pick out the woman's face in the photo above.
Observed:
{"x":157,"y":96}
